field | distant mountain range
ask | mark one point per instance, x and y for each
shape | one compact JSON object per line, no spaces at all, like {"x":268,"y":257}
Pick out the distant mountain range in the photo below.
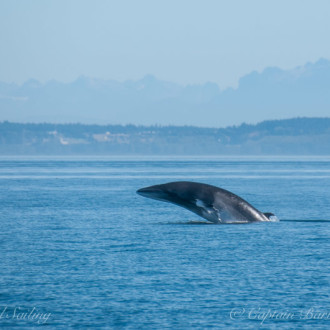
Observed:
{"x":271,"y":94}
{"x":299,"y":136}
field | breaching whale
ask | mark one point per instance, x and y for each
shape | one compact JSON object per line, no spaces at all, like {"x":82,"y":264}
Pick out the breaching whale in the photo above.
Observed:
{"x":211,"y":203}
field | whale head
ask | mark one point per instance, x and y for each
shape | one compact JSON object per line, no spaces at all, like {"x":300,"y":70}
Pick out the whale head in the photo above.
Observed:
{"x":158,"y":192}
{"x":185,"y":195}
{"x":179,"y":193}
{"x":173,"y":192}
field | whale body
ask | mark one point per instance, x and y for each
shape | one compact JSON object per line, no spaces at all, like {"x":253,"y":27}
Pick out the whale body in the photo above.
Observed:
{"x":211,"y":203}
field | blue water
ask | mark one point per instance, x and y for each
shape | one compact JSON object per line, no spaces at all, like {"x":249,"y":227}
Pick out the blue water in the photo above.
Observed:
{"x":79,"y":248}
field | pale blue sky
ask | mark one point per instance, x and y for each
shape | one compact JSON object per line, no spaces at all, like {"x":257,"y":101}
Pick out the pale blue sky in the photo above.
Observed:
{"x":183,"y":41}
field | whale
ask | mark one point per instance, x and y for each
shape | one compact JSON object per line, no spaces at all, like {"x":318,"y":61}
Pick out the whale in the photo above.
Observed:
{"x":212,"y":203}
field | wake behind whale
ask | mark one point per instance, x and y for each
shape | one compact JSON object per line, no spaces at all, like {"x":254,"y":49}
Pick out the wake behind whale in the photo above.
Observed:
{"x":211,"y":203}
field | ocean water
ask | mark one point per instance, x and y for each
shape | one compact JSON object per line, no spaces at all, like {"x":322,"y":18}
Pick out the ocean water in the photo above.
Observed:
{"x":79,"y":247}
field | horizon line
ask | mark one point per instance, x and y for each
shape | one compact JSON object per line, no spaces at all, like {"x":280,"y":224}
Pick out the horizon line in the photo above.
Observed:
{"x":164,"y":126}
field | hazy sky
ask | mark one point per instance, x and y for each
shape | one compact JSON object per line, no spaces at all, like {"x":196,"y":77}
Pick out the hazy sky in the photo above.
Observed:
{"x":184,"y":41}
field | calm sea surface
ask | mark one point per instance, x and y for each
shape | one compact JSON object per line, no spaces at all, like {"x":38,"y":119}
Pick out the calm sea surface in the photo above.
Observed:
{"x":79,"y":248}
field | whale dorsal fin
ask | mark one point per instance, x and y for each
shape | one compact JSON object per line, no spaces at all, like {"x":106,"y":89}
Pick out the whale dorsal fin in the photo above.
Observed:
{"x":268,"y":214}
